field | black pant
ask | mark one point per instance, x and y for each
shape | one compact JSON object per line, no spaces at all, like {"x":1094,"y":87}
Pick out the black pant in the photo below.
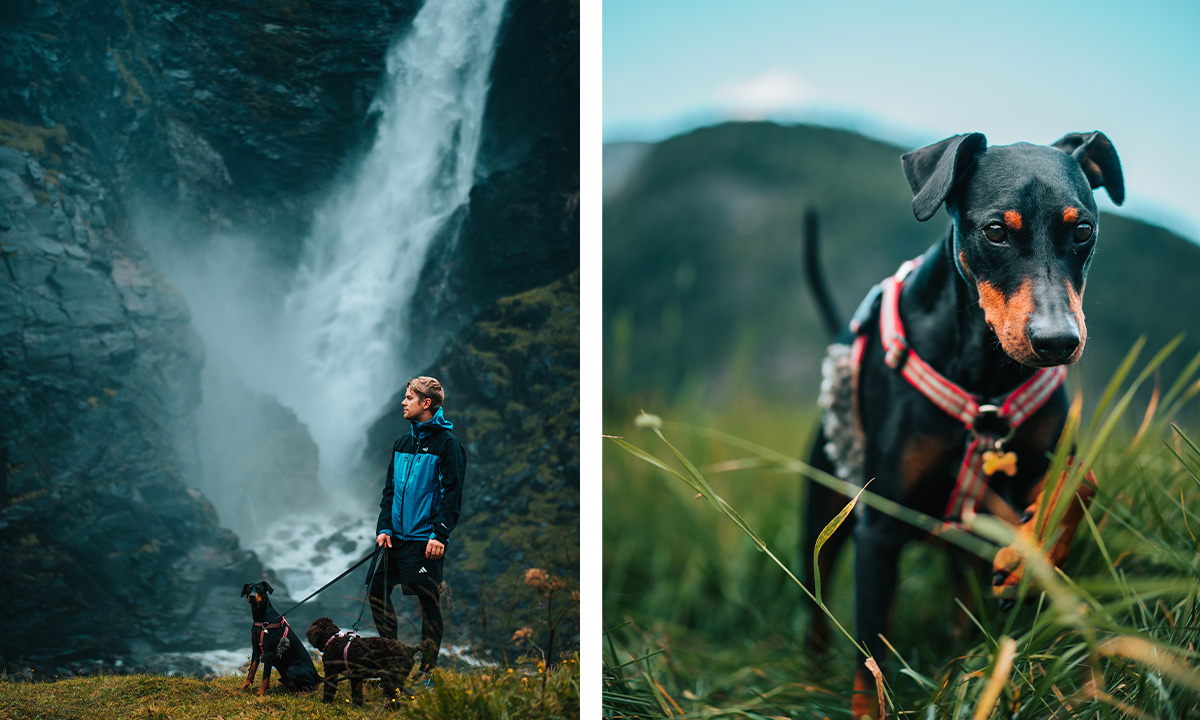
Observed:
{"x":427,"y":588}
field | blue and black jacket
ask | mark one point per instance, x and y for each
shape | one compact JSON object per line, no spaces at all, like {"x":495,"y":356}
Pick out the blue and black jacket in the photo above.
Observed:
{"x":422,"y":496}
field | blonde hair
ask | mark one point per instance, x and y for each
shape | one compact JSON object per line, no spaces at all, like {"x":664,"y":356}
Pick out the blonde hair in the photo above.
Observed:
{"x":428,"y":387}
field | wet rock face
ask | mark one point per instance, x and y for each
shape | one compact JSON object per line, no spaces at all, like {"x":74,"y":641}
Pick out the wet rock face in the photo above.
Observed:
{"x":232,"y":112}
{"x":521,"y":230}
{"x":105,"y":548}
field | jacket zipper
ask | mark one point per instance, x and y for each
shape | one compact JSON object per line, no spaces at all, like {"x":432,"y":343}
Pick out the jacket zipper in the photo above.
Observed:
{"x":407,"y":477}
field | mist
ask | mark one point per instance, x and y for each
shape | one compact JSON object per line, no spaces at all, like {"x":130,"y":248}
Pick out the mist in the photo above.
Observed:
{"x":301,"y":359}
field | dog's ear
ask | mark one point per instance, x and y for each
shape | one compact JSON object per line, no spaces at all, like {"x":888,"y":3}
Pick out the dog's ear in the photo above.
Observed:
{"x":934,"y":170}
{"x":1098,"y":158}
{"x":245,"y":589}
{"x":267,"y":585}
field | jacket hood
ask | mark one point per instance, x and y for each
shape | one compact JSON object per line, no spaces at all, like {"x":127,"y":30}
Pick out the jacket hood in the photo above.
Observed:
{"x":437,"y":421}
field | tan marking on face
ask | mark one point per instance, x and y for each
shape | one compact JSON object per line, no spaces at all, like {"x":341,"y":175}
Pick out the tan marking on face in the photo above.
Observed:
{"x":1012,"y":219}
{"x":1008,"y":318}
{"x":1070,"y":215}
{"x":962,"y":262}
{"x":1075,"y":303}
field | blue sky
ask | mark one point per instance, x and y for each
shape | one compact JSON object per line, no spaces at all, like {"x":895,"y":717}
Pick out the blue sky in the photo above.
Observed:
{"x":915,"y":72}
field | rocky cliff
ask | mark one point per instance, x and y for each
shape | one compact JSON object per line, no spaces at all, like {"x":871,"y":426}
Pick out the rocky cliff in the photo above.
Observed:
{"x":233,"y":114}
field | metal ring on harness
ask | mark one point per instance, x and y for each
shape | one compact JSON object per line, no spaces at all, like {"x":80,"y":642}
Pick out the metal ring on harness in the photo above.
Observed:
{"x":989,"y":422}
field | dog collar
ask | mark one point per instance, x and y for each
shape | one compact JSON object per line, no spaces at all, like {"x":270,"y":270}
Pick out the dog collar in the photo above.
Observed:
{"x":990,"y":424}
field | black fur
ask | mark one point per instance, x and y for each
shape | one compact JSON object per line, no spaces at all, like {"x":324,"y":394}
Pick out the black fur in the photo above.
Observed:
{"x":278,"y":647}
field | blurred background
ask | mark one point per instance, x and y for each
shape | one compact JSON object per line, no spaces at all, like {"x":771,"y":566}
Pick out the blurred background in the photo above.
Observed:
{"x":721,"y":129}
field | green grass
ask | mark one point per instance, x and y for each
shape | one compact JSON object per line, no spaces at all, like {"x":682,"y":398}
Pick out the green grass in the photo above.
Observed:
{"x":703,"y":620}
{"x":526,"y":691}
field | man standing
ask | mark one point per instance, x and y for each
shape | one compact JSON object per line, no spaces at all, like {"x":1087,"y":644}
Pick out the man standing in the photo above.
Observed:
{"x":422,"y":498}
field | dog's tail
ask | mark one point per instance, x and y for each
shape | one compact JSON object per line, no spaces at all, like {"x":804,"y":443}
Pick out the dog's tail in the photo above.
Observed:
{"x":816,"y":278}
{"x":428,"y":650}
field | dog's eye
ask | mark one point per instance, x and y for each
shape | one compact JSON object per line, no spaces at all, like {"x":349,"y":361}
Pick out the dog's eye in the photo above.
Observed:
{"x":1083,"y":232}
{"x":995,"y":233}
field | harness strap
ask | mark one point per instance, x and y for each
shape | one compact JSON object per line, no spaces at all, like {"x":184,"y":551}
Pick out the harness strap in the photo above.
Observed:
{"x":262,"y":637}
{"x":349,"y":635}
{"x":971,"y":484}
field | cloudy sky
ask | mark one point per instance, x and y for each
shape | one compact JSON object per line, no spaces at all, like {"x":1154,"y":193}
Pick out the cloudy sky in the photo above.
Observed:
{"x":915,"y":72}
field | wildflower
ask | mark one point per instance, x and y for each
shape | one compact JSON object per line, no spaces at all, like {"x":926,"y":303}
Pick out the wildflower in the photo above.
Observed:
{"x":522,"y":635}
{"x":535,"y":576}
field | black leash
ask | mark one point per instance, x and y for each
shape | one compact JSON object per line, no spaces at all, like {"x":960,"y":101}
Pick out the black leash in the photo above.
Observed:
{"x":374,"y":554}
{"x":381,"y":552}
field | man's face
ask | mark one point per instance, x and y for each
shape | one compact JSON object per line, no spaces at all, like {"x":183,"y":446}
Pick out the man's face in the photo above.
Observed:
{"x":414,"y":405}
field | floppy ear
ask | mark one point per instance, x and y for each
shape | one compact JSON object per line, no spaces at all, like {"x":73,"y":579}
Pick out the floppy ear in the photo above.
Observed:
{"x":245,"y":589}
{"x":1098,"y":158}
{"x":934,"y":170}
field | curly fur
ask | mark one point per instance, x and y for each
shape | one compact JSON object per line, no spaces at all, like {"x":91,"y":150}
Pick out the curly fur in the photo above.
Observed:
{"x":845,"y":446}
{"x":367,"y":657}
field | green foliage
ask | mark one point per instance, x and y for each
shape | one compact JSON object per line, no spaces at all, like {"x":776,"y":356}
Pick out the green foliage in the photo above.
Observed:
{"x":703,"y":622}
{"x":524,"y":691}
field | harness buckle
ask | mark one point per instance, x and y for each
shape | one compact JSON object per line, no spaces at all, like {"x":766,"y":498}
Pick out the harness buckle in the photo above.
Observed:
{"x":991,"y":423}
{"x":897,"y":354}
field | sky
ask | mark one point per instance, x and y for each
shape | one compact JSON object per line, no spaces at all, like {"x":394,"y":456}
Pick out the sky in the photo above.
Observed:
{"x":915,"y":72}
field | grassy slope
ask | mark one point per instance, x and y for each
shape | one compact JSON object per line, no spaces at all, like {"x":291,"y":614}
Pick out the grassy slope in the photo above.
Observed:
{"x":494,"y":693}
{"x":725,"y":626}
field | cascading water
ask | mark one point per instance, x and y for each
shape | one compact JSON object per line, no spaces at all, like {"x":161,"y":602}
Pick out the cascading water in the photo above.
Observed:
{"x":333,"y":350}
{"x":353,"y":294}
{"x":344,"y":319}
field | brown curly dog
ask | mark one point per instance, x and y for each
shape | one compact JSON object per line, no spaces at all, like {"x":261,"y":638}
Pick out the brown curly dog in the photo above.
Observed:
{"x":359,"y":658}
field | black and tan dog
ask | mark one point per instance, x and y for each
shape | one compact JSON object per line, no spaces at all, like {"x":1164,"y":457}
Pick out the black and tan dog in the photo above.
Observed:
{"x":358,"y":658}
{"x":276,"y":645}
{"x":947,"y":388}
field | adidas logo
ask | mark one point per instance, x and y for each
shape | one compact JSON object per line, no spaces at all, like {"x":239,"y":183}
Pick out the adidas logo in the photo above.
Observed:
{"x":421,"y":570}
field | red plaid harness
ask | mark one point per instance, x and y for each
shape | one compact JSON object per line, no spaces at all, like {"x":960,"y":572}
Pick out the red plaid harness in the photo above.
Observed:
{"x":985,"y":454}
{"x":262,"y":636}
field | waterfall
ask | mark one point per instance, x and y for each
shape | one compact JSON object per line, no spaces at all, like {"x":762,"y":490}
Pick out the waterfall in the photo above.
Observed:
{"x":327,"y":340}
{"x":353,"y":295}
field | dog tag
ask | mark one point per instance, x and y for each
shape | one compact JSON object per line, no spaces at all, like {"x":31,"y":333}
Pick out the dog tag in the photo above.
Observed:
{"x":999,"y":461}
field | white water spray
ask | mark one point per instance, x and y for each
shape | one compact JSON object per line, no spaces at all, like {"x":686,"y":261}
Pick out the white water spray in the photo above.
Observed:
{"x":353,"y":295}
{"x":331,"y":346}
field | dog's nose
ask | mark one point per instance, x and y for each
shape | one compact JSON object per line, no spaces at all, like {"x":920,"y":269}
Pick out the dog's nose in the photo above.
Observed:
{"x":1054,"y":343}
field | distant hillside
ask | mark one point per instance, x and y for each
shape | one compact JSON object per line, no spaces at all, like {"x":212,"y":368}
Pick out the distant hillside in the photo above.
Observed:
{"x":703,"y":283}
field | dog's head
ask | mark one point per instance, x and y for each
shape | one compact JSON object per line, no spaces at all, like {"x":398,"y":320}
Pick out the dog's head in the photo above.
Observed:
{"x":256,"y":593}
{"x":320,"y":631}
{"x":1025,"y":226}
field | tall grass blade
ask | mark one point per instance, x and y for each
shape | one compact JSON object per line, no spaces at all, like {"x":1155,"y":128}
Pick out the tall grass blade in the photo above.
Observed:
{"x":827,"y":532}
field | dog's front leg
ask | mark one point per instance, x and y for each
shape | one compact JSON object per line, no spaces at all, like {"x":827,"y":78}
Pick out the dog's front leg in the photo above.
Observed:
{"x":267,"y":661}
{"x":1009,"y":565}
{"x":251,"y":672}
{"x":330,"y":687}
{"x":877,"y":545}
{"x":356,"y":688}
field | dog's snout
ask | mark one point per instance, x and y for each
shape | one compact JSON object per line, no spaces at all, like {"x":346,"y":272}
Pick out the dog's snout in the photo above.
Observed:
{"x":1053,"y":343}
